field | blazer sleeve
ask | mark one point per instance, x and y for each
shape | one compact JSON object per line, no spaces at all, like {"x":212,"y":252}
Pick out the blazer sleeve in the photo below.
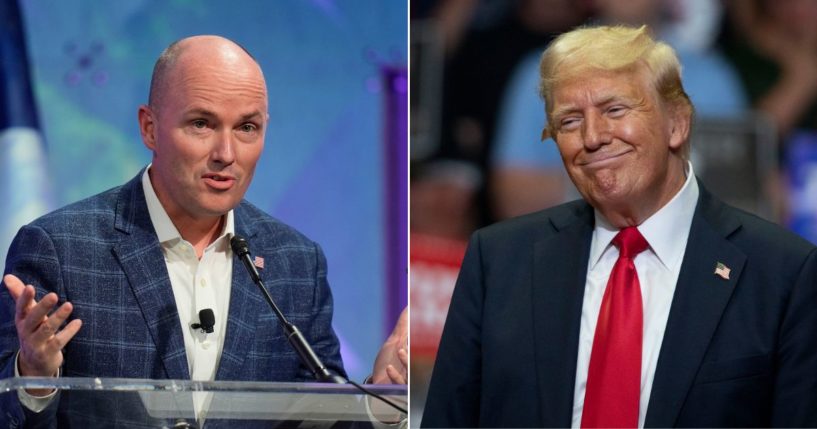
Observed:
{"x":33,"y":258}
{"x":320,"y":334}
{"x":795,"y":389}
{"x":454,"y":391}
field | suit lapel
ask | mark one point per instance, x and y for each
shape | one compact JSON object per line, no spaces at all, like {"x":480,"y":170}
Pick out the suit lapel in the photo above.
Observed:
{"x":245,"y":307}
{"x":700,"y":298}
{"x":141,"y":258}
{"x":559,"y":272}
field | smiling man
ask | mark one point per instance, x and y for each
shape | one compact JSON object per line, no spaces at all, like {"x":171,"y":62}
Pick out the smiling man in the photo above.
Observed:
{"x":133,"y":267}
{"x":649,"y":303}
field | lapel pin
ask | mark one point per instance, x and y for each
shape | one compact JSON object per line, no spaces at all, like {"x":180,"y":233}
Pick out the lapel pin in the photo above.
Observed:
{"x":258,"y":262}
{"x":722,"y":271}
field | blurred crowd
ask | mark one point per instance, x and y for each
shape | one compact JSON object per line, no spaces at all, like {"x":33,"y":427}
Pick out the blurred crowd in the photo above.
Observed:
{"x":477,"y":153}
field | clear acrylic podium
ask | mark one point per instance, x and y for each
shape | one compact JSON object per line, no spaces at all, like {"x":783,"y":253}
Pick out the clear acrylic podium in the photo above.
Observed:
{"x":119,"y":402}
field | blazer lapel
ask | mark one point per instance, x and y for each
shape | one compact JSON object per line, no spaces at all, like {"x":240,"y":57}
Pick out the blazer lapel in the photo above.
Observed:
{"x":559,"y":272}
{"x":246,"y":306}
{"x":141,"y":258}
{"x":700,"y":298}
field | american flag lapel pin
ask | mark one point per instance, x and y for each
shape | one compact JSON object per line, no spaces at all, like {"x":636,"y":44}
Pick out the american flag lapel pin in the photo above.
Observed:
{"x":722,"y":271}
{"x":258,"y":262}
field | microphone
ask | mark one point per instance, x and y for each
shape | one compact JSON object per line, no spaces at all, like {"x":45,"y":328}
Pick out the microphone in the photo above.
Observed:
{"x":207,"y":320}
{"x":296,"y":339}
{"x":182,"y":424}
{"x":308,"y":357}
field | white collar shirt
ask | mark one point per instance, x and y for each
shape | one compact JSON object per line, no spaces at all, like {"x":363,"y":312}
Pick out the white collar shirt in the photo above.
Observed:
{"x":197,"y":284}
{"x":658,"y":269}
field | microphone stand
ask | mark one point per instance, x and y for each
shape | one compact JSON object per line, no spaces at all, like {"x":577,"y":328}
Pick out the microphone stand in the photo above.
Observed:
{"x":308,"y":357}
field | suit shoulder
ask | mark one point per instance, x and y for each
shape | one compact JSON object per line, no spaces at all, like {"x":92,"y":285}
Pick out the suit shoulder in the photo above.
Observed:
{"x":84,"y":215}
{"x":538,"y":224}
{"x":270,"y":228}
{"x":761,"y":233}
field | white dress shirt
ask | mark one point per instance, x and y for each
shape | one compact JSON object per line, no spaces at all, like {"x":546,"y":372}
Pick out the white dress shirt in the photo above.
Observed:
{"x":658,"y":268}
{"x":197,"y":284}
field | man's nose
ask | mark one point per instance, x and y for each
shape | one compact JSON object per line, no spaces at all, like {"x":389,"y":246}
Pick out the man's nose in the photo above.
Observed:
{"x":224,"y":149}
{"x":596,"y":131}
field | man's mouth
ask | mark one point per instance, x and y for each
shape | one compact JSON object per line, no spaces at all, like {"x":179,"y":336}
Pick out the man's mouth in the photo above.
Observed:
{"x":219,"y":182}
{"x":602,"y":159}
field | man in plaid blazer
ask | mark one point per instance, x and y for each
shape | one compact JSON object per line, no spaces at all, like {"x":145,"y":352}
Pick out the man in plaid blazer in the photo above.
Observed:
{"x":105,"y":275}
{"x":102,"y":255}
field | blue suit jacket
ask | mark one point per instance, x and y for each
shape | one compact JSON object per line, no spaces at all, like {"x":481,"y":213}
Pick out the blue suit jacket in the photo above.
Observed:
{"x":102,"y":254}
{"x":736,"y":352}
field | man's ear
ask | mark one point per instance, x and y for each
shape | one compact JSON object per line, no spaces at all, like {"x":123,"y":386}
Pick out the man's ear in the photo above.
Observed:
{"x":680,"y":123}
{"x":147,"y":126}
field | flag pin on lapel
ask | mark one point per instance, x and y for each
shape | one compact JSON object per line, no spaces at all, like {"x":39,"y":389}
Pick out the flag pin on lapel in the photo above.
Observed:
{"x":258,"y":262}
{"x":722,"y":271}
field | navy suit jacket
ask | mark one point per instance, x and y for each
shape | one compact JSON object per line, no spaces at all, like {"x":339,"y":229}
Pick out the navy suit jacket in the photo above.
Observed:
{"x":102,"y":254}
{"x":736,"y":352}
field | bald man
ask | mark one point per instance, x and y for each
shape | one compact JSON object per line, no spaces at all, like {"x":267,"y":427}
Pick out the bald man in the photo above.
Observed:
{"x":111,"y":286}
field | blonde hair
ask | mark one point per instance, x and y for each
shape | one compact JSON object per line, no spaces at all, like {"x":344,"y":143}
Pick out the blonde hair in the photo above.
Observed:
{"x":613,"y":49}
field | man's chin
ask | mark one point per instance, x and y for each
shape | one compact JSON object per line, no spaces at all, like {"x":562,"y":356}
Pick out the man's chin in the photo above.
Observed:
{"x":217,"y":209}
{"x":603,"y":188}
{"x":612,"y":197}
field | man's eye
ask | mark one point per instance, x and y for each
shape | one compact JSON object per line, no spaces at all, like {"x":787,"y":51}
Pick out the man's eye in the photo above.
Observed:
{"x":568,"y":124}
{"x":199,"y":123}
{"x":248,"y":128}
{"x":616,"y":110}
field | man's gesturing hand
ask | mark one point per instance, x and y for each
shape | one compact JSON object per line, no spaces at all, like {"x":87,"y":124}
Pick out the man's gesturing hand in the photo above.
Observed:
{"x":41,"y":339}
{"x":391,"y":364}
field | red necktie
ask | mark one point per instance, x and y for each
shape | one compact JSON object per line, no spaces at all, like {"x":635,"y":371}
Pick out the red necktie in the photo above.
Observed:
{"x":614,"y":376}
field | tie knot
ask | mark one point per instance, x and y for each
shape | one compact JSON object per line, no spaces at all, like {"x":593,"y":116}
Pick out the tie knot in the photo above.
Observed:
{"x":630,"y":242}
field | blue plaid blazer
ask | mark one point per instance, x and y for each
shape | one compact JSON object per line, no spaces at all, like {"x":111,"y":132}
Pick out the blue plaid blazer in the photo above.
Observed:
{"x":102,"y":254}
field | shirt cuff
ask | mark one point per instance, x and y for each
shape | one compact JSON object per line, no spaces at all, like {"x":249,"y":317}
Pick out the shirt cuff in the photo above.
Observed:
{"x":31,"y":402}
{"x":400,"y":420}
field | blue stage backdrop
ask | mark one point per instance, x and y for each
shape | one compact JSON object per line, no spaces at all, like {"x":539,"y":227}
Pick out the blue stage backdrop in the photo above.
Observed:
{"x":324,"y":168}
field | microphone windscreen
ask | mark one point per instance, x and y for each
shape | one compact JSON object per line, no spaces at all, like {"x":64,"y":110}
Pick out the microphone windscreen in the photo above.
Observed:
{"x":207,"y":318}
{"x":239,"y":245}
